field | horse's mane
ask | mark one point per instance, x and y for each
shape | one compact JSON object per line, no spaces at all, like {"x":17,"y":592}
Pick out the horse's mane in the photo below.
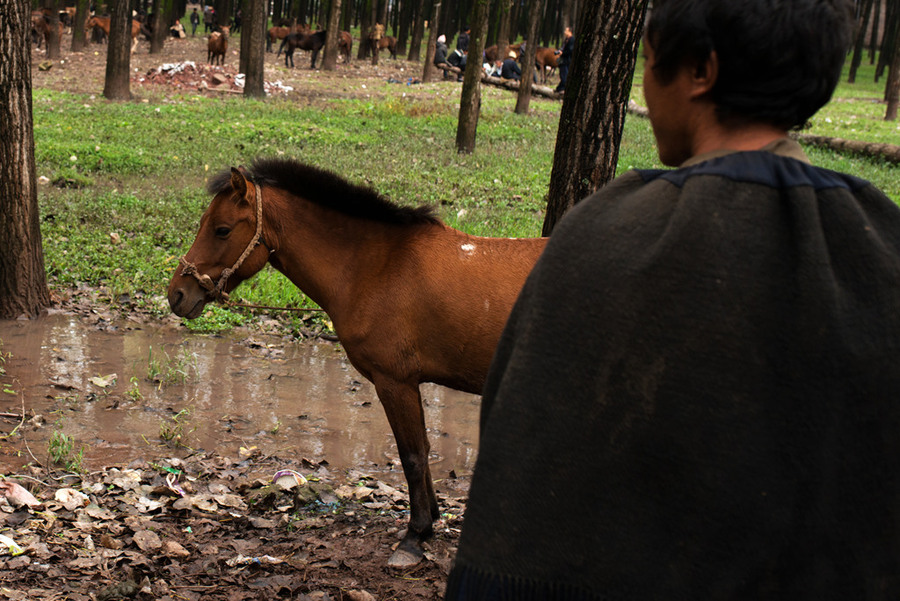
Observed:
{"x":326,"y":189}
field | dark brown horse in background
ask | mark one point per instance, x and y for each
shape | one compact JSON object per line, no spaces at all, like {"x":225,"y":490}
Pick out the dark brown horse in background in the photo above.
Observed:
{"x":102,"y":23}
{"x":545,"y":62}
{"x":281,"y":32}
{"x":345,"y":45}
{"x":302,"y":41}
{"x":411,"y":299}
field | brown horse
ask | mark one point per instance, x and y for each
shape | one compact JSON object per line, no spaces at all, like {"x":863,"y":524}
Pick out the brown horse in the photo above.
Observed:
{"x":217,"y":47}
{"x":102,"y":23}
{"x":411,"y":299}
{"x":545,"y":62}
{"x":302,"y":41}
{"x":281,"y":32}
{"x":345,"y":45}
{"x":390,"y":43}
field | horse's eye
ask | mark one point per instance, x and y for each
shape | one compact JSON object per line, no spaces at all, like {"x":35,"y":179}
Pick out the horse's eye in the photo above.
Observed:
{"x":222,"y":232}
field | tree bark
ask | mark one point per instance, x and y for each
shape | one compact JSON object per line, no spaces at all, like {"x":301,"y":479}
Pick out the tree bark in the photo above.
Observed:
{"x":593,"y":113}
{"x":254,"y":26}
{"x":23,"y":282}
{"x":118,"y":52}
{"x":503,"y":14}
{"x":470,"y":98}
{"x":79,"y":39}
{"x":53,"y":39}
{"x":523,"y":99}
{"x":329,"y":61}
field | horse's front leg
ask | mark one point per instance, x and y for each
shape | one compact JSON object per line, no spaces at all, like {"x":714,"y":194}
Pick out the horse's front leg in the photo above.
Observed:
{"x":403,"y":406}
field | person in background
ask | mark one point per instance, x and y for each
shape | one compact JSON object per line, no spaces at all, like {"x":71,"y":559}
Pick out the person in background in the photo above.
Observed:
{"x":510,"y":68}
{"x":696,"y":395}
{"x":457,"y":59}
{"x":564,"y":58}
{"x":195,"y":21}
{"x":209,"y":19}
{"x":440,"y":54}
{"x":462,"y":41}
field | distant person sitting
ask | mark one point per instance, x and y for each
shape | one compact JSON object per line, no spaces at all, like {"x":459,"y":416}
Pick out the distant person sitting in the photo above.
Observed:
{"x":510,"y":68}
{"x":457,"y":59}
{"x":440,"y":55}
{"x":493,"y":70}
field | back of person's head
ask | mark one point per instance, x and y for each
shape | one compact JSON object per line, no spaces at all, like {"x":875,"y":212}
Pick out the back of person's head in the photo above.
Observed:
{"x":778,"y":60}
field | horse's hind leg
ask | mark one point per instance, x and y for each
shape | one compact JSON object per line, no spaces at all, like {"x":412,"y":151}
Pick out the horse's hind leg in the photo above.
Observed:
{"x":403,"y":407}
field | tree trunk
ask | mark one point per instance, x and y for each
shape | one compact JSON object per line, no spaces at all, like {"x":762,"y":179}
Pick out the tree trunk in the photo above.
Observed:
{"x":893,"y":95}
{"x":23,"y":282}
{"x":53,"y":41}
{"x":329,"y":61}
{"x":593,"y":113}
{"x":523,"y":98}
{"x":432,"y":42}
{"x":364,"y":27}
{"x":415,"y":45}
{"x":159,"y":25}
{"x":118,"y":52}
{"x":79,"y":40}
{"x":860,"y":40}
{"x":504,"y":12}
{"x":873,"y":41}
{"x":254,"y":27}
{"x":470,"y":98}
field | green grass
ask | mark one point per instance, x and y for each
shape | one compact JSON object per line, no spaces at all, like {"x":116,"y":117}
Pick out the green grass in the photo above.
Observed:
{"x":135,"y":173}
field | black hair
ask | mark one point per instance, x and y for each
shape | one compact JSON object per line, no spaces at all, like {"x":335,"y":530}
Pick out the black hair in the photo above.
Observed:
{"x":779,"y":60}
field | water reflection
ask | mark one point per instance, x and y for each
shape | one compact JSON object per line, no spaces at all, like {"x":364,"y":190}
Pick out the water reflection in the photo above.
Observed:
{"x":290,"y":398}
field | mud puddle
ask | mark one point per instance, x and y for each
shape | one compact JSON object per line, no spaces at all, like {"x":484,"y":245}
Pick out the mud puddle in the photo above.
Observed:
{"x":176,"y":391}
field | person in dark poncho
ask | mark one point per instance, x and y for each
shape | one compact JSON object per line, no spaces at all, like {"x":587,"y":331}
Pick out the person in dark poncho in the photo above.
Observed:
{"x":697,"y":395}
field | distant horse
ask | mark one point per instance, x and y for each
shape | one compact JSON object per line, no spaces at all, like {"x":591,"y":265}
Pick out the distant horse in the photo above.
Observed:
{"x":491,"y":52}
{"x":103,"y":24}
{"x":544,"y":59}
{"x":281,"y":32}
{"x":303,"y":41}
{"x":411,"y":299}
{"x":217,"y":46}
{"x":41,"y":30}
{"x":345,"y":45}
{"x":390,"y":43}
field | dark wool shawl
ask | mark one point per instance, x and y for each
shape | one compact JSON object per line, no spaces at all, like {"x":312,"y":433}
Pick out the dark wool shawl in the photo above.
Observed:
{"x":697,"y":396}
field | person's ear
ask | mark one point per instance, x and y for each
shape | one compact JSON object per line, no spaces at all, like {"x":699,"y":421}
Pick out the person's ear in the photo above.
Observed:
{"x":705,"y":75}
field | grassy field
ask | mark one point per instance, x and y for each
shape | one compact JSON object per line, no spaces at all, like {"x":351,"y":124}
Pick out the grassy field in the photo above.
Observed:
{"x":129,"y":177}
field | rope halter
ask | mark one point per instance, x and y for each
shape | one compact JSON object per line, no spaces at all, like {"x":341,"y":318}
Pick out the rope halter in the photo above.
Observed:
{"x":216,"y":291}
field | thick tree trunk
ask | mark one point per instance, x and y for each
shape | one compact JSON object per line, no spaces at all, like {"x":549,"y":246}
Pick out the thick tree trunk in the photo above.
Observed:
{"x":432,"y":42}
{"x":53,"y":39}
{"x":118,"y":52}
{"x":415,"y":45}
{"x":79,"y":39}
{"x":254,"y":27}
{"x":23,"y":283}
{"x":523,"y":99}
{"x":607,"y":36}
{"x":162,"y":11}
{"x":503,"y":14}
{"x":470,"y":98}
{"x":364,"y":26}
{"x":329,"y":61}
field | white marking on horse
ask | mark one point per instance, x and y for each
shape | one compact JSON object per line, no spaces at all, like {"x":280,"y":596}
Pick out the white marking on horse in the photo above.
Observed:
{"x":468,"y":249}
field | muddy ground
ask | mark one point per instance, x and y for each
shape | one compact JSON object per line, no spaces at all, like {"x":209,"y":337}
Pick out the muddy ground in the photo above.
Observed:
{"x":198,"y":525}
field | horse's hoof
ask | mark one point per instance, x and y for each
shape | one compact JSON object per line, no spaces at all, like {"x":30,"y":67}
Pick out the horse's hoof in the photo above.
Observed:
{"x":403,"y":559}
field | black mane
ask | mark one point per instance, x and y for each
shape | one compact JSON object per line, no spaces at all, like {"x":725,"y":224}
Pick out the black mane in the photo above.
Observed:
{"x":326,"y":189}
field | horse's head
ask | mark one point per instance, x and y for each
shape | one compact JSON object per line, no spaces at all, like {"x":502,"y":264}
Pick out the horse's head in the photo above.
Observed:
{"x":229,"y":247}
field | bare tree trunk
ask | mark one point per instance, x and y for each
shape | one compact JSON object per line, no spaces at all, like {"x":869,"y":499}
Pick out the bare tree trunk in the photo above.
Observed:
{"x":504,"y":10}
{"x":159,"y":25}
{"x":415,"y":45}
{"x":860,"y":40}
{"x":53,"y":41}
{"x":364,"y":27}
{"x":893,"y":88}
{"x":593,"y":113}
{"x":79,"y":40}
{"x":470,"y":98}
{"x":254,"y":27}
{"x":23,"y":282}
{"x":118,"y":52}
{"x":329,"y":61}
{"x":432,"y":42}
{"x":523,"y":99}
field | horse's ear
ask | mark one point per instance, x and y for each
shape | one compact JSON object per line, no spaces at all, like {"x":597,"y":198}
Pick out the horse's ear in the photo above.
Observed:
{"x":239,"y":182}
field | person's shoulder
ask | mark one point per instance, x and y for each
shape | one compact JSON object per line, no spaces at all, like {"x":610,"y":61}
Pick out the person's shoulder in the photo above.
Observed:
{"x":765,"y":169}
